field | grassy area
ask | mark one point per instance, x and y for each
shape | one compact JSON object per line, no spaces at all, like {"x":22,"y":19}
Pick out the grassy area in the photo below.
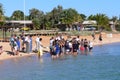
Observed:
{"x":7,"y":34}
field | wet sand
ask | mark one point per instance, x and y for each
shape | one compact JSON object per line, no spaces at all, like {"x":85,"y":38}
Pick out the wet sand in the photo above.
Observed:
{"x":107,"y":38}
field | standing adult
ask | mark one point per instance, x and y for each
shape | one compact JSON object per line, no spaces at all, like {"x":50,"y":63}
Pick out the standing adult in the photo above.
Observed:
{"x":93,"y":35}
{"x":78,"y":39}
{"x":12,"y":42}
{"x":90,"y":46}
{"x":57,"y":48}
{"x":22,"y":42}
{"x":82,"y":46}
{"x":40,"y":48}
{"x":18,"y":43}
{"x":51,"y":44}
{"x":75,"y":47}
{"x":27,"y":42}
{"x":86,"y":45}
{"x":30,"y":43}
{"x":15,"y":49}
{"x":100,"y":38}
{"x":37,"y":43}
{"x":1,"y":50}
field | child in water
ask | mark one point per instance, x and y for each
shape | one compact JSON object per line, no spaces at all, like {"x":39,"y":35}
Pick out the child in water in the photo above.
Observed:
{"x":90,"y":46}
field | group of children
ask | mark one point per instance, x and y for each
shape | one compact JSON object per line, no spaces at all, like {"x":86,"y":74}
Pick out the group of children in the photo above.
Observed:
{"x":59,"y":46}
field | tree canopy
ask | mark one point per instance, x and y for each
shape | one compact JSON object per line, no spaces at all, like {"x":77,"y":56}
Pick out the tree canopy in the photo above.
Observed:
{"x":2,"y":18}
{"x":17,"y":15}
{"x":102,"y":20}
{"x":57,"y":16}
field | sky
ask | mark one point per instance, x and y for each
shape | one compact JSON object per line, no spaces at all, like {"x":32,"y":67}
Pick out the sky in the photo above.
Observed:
{"x":109,"y":7}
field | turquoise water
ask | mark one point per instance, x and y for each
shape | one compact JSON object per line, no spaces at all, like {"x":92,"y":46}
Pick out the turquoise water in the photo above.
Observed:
{"x":102,"y":64}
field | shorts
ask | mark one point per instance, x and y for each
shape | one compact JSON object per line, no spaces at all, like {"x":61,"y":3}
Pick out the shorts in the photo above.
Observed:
{"x":67,"y":50}
{"x":40,"y":52}
{"x":90,"y":48}
{"x":53,"y":53}
{"x":57,"y":51}
{"x":74,"y":50}
{"x":82,"y":48}
{"x":100,"y":39}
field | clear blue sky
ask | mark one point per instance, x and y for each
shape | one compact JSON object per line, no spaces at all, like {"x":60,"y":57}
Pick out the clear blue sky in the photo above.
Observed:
{"x":87,"y":7}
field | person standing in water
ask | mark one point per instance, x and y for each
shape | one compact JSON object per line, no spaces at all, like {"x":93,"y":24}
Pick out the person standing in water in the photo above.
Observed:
{"x":37,"y":42}
{"x":40,"y":48}
{"x":86,"y":46}
{"x":30,"y":43}
{"x":90,"y":46}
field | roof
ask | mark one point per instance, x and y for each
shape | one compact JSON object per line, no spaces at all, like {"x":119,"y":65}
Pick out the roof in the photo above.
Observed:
{"x":20,"y":22}
{"x":111,"y":22}
{"x":89,"y":22}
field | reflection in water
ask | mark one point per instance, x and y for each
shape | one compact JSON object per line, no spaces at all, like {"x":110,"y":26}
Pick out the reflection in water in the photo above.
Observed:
{"x":1,"y":62}
{"x":40,"y":59}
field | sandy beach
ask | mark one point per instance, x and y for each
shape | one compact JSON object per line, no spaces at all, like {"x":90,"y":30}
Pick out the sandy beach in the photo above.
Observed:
{"x":107,"y":38}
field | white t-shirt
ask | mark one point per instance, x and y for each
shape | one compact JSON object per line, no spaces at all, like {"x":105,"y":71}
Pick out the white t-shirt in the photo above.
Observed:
{"x":58,"y":38}
{"x":16,"y":46}
{"x":37,"y":39}
{"x":40,"y":45}
{"x":70,"y":44}
{"x":51,"y":42}
{"x":26,"y":38}
{"x":91,"y":44}
{"x":77,"y":39}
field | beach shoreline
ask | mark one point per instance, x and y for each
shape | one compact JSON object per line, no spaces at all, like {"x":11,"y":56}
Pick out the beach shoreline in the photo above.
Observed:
{"x":115,"y":38}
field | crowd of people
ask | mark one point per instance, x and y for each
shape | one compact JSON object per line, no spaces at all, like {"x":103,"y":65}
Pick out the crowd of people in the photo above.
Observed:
{"x":59,"y":46}
{"x":20,"y":43}
{"x":24,"y":43}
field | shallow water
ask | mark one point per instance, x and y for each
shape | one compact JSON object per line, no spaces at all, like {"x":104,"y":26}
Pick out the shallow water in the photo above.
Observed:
{"x":102,"y":64}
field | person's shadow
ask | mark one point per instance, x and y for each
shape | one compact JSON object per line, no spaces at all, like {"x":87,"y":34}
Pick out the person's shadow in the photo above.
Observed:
{"x":10,"y":53}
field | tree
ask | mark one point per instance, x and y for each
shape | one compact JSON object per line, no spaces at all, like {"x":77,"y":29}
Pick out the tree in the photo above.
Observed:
{"x":36,"y":23}
{"x":52,"y":18}
{"x":1,"y":12}
{"x":17,"y":15}
{"x":83,"y":16}
{"x":69,"y":16}
{"x":59,"y":16}
{"x":35,"y":13}
{"x":7,"y":18}
{"x":2,"y":18}
{"x":102,"y":20}
{"x":37,"y":17}
{"x":55,"y":15}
